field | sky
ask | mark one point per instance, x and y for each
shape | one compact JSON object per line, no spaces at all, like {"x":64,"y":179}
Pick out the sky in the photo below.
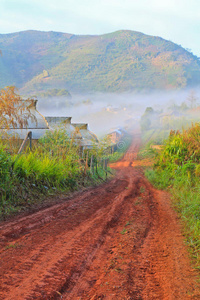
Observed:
{"x":174,"y":20}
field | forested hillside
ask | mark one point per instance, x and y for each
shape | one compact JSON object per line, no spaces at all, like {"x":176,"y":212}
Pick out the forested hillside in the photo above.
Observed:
{"x":36,"y":61}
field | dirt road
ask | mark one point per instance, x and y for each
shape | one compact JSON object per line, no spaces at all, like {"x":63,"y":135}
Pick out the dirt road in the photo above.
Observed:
{"x":120,"y":240}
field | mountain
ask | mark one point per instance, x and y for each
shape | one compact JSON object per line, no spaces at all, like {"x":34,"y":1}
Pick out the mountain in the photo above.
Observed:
{"x":36,"y":62}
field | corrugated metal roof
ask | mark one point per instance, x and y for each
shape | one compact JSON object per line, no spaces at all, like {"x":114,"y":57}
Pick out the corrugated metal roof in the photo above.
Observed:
{"x":35,"y":122}
{"x":81,"y":125}
{"x":35,"y":119}
{"x":58,"y":120}
{"x":64,"y":123}
{"x":21,"y":133}
{"x":39,"y":124}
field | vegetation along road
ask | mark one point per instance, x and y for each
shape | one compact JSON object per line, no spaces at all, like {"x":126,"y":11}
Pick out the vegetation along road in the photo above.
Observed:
{"x":120,"y":240}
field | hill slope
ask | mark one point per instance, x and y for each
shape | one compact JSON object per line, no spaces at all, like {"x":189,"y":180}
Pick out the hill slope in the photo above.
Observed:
{"x":121,"y":61}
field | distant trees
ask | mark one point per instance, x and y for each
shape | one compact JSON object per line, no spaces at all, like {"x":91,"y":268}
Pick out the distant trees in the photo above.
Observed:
{"x":178,"y":108}
{"x":149,"y":110}
{"x":54,"y":93}
{"x":145,"y":121}
{"x":192,"y":99}
{"x":183,"y":106}
{"x":87,"y":102}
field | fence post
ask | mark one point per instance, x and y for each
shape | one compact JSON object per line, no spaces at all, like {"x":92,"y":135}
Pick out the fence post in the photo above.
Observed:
{"x":106,"y":161}
{"x":86,"y":163}
{"x":82,"y":152}
{"x":28,"y":136}
{"x":91,"y":165}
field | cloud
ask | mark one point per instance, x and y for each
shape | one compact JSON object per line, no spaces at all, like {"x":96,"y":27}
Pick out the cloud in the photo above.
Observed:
{"x":177,"y":20}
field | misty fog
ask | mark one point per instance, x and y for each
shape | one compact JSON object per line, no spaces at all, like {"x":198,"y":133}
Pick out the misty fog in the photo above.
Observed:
{"x":105,"y":112}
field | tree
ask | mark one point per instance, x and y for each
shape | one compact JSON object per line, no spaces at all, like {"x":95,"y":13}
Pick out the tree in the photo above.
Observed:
{"x":145,"y":123}
{"x":87,"y":102}
{"x":149,"y":110}
{"x":13,"y":111}
{"x":192,"y":99}
{"x":183,"y":106}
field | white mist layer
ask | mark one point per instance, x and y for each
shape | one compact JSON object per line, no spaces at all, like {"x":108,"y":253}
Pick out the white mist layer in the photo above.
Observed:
{"x":105,"y":112}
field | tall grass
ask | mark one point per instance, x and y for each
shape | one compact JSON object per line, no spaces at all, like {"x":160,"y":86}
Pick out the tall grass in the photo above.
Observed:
{"x":177,"y":169}
{"x":54,"y":165}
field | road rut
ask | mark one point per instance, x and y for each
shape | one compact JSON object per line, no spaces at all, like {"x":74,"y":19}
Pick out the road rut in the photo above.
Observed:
{"x":120,"y":240}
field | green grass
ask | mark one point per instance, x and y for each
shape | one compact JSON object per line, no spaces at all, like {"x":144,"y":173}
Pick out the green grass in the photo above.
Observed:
{"x":146,"y":151}
{"x":13,"y":246}
{"x":142,"y":189}
{"x":177,"y":170}
{"x":186,"y":200}
{"x":26,"y":177}
{"x":123,"y":231}
{"x":122,"y":147}
{"x":53,"y":166}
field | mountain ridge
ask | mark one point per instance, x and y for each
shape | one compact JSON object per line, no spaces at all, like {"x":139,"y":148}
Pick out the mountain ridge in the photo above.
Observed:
{"x":124,"y":60}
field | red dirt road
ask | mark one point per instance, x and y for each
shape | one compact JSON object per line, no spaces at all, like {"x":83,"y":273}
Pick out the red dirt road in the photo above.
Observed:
{"x":120,"y":240}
